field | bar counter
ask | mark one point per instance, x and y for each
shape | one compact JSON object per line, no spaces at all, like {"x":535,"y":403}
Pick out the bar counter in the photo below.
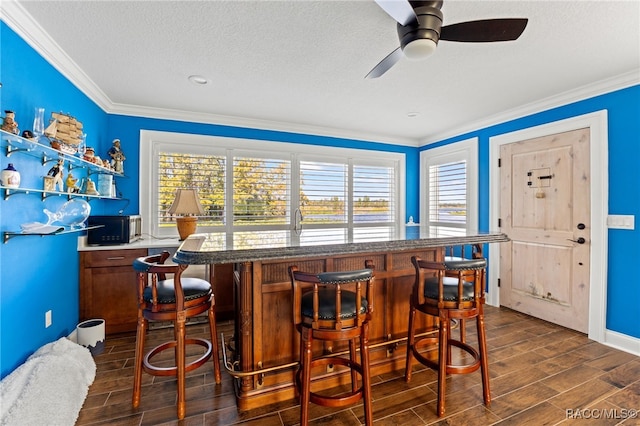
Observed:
{"x":265,"y":345}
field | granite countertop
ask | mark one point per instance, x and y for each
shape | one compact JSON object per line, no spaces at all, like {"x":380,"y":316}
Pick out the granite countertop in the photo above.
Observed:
{"x":273,"y":245}
{"x":141,"y":243}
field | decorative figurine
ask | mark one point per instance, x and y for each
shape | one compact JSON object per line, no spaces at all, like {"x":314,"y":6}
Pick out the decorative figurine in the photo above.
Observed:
{"x":10,"y":177}
{"x":56,"y":173}
{"x":117,"y":156}
{"x":48,"y":183}
{"x":72,"y":188}
{"x":28,"y":134}
{"x":89,"y":154}
{"x":91,"y":188}
{"x":9,"y":123}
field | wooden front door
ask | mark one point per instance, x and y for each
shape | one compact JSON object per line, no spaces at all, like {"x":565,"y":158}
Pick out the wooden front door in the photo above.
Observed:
{"x":544,"y":209}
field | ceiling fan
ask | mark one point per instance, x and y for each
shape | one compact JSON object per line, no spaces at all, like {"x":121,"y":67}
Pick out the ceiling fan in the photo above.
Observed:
{"x":420,"y":28}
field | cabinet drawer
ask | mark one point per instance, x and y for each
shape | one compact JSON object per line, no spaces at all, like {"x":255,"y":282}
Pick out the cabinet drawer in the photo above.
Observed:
{"x":102,"y":258}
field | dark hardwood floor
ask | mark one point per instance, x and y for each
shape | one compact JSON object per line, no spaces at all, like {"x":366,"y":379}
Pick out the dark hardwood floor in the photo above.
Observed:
{"x":540,"y":374}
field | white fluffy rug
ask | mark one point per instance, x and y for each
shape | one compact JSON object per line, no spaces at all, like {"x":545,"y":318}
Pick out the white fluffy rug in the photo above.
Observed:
{"x":50,"y":387}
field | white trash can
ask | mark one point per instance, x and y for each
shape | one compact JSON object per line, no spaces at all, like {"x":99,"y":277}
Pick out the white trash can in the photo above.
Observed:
{"x":91,"y":335}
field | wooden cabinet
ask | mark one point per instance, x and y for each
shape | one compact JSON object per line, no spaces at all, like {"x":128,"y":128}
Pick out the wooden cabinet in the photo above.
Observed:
{"x":108,"y":288}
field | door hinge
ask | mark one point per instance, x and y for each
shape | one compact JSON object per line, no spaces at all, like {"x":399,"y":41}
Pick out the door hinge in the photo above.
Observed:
{"x":499,"y":223}
{"x":499,"y":162}
{"x":498,"y":282}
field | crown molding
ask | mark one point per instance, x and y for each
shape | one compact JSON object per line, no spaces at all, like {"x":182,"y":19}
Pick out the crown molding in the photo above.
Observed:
{"x":252,"y":123}
{"x":16,"y":17}
{"x":590,"y":90}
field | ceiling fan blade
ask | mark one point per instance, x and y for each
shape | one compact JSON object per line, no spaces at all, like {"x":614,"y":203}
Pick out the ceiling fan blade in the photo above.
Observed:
{"x":486,"y":30}
{"x":385,"y":65}
{"x":400,"y":10}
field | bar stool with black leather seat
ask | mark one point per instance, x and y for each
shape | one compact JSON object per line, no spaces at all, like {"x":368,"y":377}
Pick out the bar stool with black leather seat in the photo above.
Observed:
{"x":458,"y":266}
{"x":165,"y":295}
{"x":333,"y":306}
{"x":452,"y":289}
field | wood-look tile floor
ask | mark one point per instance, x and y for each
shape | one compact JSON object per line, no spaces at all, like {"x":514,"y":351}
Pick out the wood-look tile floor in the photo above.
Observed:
{"x":539,"y":372}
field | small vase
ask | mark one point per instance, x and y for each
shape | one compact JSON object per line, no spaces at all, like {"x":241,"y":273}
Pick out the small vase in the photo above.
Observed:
{"x":38,"y":123}
{"x":82,"y":146}
{"x":10,"y":177}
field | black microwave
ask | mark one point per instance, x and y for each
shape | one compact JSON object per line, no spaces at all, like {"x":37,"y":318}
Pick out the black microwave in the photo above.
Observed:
{"x":113,"y":230}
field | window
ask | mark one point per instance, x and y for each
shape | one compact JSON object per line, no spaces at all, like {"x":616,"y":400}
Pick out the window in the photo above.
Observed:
{"x":202,"y":172}
{"x":251,"y":189}
{"x":449,"y":188}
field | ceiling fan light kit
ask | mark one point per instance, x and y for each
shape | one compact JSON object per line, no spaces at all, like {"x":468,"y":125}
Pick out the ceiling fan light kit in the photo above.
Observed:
{"x":419,"y":49}
{"x":419,"y":39}
{"x":420,"y":29}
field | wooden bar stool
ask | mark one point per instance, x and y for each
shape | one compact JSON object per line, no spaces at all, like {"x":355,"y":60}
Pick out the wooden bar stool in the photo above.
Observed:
{"x":333,"y":306}
{"x":175,"y":299}
{"x":449,"y":290}
{"x":460,"y":267}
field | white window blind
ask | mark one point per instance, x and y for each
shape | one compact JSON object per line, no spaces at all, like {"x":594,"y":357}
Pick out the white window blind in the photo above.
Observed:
{"x":373,"y":194}
{"x":449,"y":189}
{"x":261,"y":193}
{"x":205,"y":173}
{"x":448,"y":194}
{"x":323,"y":192}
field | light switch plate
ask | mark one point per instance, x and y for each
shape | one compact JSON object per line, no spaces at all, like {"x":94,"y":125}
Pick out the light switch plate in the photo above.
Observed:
{"x":619,"y":221}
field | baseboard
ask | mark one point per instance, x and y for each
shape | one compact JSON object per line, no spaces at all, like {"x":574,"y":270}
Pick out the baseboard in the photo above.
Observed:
{"x":622,"y":341}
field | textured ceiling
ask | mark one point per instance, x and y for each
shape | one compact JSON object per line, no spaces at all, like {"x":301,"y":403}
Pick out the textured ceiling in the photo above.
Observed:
{"x":301,"y":64}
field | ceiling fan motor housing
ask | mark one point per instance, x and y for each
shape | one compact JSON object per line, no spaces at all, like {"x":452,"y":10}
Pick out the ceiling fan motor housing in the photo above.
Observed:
{"x":428,"y":25}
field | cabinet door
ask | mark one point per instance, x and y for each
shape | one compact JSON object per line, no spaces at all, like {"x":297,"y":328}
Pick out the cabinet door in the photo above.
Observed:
{"x":108,"y":288}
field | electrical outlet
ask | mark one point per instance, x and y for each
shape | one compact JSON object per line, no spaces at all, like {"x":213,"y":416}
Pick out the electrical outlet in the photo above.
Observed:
{"x":48,"y":320}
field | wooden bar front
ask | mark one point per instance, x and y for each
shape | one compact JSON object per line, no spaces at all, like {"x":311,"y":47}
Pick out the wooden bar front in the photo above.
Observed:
{"x":265,"y":336}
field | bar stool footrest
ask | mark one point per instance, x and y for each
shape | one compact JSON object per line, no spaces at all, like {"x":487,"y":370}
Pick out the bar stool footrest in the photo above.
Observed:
{"x":338,"y":400}
{"x":155,"y":370}
{"x":469,"y":367}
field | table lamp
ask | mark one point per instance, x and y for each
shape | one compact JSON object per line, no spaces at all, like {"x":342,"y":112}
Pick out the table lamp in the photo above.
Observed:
{"x":186,"y":205}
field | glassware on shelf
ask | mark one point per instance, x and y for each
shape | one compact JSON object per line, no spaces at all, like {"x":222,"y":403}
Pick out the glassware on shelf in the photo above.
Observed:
{"x":82,"y":146}
{"x":38,"y":124}
{"x":73,"y":214}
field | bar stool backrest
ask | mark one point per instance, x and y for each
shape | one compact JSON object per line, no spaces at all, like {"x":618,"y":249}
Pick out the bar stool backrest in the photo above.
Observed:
{"x":332,"y":300}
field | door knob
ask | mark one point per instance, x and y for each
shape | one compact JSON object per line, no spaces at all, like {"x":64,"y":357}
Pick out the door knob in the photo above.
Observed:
{"x":579,"y":240}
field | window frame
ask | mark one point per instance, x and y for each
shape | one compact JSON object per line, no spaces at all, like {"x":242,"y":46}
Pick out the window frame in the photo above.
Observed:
{"x":465,"y":150}
{"x":153,"y":142}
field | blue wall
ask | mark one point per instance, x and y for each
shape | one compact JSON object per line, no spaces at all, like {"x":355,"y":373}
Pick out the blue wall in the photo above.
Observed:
{"x":38,"y":274}
{"x":623,"y":109}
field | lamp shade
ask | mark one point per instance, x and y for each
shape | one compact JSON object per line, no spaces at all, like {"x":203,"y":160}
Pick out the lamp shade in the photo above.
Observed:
{"x":186,"y":203}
